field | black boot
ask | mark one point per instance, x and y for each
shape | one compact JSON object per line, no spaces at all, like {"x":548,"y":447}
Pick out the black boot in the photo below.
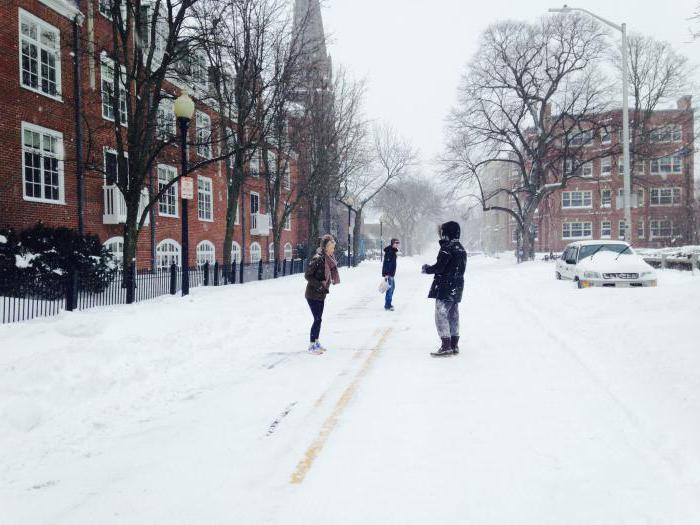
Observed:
{"x":445,"y":349}
{"x":454,"y":341}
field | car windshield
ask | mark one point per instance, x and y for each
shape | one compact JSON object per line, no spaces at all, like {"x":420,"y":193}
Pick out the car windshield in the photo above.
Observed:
{"x":591,"y":249}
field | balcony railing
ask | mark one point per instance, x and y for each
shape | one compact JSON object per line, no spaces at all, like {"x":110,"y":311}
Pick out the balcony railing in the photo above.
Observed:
{"x":259,"y":224}
{"x":115,"y":205}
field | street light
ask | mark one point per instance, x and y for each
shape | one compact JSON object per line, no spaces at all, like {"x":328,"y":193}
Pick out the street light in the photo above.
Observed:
{"x":184,"y":109}
{"x":625,"y":111}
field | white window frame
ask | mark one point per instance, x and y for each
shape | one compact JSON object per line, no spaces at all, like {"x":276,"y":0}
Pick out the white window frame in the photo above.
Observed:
{"x":603,"y":228}
{"x":254,"y":165}
{"x":59,"y":156}
{"x":56,"y":52}
{"x":166,"y":119}
{"x":621,"y":229}
{"x":602,"y":202}
{"x":254,"y":214}
{"x":117,"y":254}
{"x":606,"y":167}
{"x":640,"y":229}
{"x":585,"y":196}
{"x":107,"y":150}
{"x":655,"y":224}
{"x":236,"y":253}
{"x":585,"y":226}
{"x":271,"y":252}
{"x":175,"y":254}
{"x":171,"y":171}
{"x":205,"y":252}
{"x":656,"y":194}
{"x":666,"y":134}
{"x":201,"y":199}
{"x":204,"y":142}
{"x":582,"y":138}
{"x":106,"y":62}
{"x":288,"y":251}
{"x":287,"y":223}
{"x":258,"y":255}
{"x":605,"y":135}
{"x":674,"y":163}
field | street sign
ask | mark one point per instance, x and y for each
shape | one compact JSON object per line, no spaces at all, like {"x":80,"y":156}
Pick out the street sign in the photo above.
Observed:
{"x":187,"y":188}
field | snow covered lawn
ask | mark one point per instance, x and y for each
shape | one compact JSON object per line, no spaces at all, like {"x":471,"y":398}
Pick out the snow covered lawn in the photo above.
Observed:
{"x":565,"y":406}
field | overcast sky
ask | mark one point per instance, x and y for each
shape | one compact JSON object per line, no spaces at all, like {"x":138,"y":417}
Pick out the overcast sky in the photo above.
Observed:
{"x":413,"y":53}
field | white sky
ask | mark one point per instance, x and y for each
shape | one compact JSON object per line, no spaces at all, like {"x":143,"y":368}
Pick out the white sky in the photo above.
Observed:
{"x":413,"y":53}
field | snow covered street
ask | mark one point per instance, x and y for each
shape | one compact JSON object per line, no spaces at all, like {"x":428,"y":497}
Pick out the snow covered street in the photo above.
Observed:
{"x":565,"y":406}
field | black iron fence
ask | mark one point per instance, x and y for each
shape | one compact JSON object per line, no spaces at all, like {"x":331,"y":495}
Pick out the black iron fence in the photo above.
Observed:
{"x":75,"y":292}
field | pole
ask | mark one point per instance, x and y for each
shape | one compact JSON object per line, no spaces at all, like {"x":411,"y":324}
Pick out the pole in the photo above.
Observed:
{"x":184,"y":123}
{"x":349,"y":222}
{"x":626,"y":139}
{"x":78,"y":126}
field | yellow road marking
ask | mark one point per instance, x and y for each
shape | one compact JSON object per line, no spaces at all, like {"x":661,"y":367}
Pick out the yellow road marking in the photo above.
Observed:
{"x":329,"y":424}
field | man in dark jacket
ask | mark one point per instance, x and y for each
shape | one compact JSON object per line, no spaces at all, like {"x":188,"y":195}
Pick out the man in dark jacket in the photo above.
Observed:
{"x":447,"y":287}
{"x":389,"y":272}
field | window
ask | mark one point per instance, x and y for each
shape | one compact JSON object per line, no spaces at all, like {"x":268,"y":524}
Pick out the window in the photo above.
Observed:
{"x":605,"y":137}
{"x":230,"y":143}
{"x":605,"y":167}
{"x":581,"y":138}
{"x":638,"y":167}
{"x":167,"y":205}
{"x":584,"y":169}
{"x":288,"y":222}
{"x":621,"y":230}
{"x":206,"y":253}
{"x":288,"y":252}
{"x":166,"y":119}
{"x":640,"y":198}
{"x":113,"y":172}
{"x":236,"y":252}
{"x":286,"y":177}
{"x":254,"y":209}
{"x":605,"y":230}
{"x":116,"y":246}
{"x":665,"y":165}
{"x":255,"y":253}
{"x":577,"y":230}
{"x":665,"y":134}
{"x":576,"y":199}
{"x":254,"y":165}
{"x":42,"y":164}
{"x":105,"y":7}
{"x":661,"y":228}
{"x":199,"y":72}
{"x":167,"y":253}
{"x":271,"y":255}
{"x":665,"y":196}
{"x":108,"y":79}
{"x":605,"y":198}
{"x":40,"y":57}
{"x":204,"y":199}
{"x":203,"y":135}
{"x":640,"y":229}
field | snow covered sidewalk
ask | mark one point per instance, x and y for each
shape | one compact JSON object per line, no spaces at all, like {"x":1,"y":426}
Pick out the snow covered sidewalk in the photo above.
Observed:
{"x":565,"y":406}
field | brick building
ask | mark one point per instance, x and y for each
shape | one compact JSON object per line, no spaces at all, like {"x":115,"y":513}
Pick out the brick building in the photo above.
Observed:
{"x":663,"y":201}
{"x":38,"y":180}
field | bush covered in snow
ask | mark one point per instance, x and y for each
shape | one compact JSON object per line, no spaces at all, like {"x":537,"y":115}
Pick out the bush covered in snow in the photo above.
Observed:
{"x":40,"y":259}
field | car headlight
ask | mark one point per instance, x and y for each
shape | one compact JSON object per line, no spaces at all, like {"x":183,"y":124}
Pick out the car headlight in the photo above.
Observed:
{"x":591,"y":275}
{"x":646,"y":274}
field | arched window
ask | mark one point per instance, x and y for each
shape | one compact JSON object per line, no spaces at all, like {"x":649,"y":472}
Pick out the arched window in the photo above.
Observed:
{"x":167,"y":253}
{"x":116,"y":246}
{"x":206,"y":253}
{"x":236,"y":252}
{"x":271,"y":257}
{"x":288,"y":252}
{"x":255,"y":253}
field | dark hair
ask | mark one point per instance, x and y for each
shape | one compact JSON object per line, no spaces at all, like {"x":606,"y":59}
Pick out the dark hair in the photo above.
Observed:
{"x":394,"y":240}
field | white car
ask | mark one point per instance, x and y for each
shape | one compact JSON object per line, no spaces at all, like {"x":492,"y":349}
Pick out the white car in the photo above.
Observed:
{"x":604,"y":263}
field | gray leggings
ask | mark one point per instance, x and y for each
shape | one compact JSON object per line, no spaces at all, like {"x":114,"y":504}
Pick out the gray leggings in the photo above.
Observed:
{"x":447,"y":318}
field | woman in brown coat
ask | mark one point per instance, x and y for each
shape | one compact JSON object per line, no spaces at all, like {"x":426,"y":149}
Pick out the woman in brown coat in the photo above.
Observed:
{"x":320,"y":274}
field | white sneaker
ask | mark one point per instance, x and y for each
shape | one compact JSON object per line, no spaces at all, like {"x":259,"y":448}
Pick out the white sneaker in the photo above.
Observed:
{"x":320,"y":347}
{"x":315,"y":348}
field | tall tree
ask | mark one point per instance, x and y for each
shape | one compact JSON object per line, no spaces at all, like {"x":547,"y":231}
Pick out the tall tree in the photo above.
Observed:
{"x":526,"y":99}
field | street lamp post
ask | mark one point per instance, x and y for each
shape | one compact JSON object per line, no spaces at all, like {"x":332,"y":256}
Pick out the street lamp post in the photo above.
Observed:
{"x":184,"y":109}
{"x":625,"y":113}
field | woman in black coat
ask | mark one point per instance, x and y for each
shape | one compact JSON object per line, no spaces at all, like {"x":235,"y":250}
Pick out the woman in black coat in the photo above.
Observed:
{"x":321,"y":272}
{"x":447,"y":287}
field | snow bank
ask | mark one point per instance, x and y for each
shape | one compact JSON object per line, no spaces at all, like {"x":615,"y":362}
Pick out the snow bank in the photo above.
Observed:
{"x":3,"y":239}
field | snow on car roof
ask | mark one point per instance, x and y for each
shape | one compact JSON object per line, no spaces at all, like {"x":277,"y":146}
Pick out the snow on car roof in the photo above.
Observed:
{"x":601,"y":241}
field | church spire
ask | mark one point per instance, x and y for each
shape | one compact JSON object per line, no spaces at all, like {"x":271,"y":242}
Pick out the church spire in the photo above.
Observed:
{"x":308,"y":23}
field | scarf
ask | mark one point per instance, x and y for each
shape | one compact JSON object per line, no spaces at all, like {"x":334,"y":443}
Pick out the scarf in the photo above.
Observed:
{"x":331,"y":270}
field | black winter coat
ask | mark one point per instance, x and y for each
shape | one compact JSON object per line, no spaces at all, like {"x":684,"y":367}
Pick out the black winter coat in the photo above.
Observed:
{"x":315,"y":276}
{"x":448,"y":283}
{"x":389,"y":265}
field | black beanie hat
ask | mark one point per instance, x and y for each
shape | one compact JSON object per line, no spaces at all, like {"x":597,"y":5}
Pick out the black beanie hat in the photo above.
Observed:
{"x":450,"y":230}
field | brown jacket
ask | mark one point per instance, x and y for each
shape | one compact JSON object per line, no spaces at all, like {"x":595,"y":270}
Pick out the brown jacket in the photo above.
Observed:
{"x":315,"y":276}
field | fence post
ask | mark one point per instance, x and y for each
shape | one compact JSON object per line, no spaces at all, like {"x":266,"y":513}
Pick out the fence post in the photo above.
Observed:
{"x":284,"y":267}
{"x":71,"y":290}
{"x":260,"y":270}
{"x":173,"y":279}
{"x":694,"y":260}
{"x":663,"y":261}
{"x":206,"y":273}
{"x":216,"y":273}
{"x":233,"y":272}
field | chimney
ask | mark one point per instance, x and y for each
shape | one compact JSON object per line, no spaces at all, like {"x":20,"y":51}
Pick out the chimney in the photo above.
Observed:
{"x":685,"y":103}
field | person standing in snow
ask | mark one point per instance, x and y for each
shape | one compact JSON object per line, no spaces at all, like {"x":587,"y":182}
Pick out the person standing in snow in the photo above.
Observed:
{"x":321,"y":272}
{"x":447,"y":287}
{"x":389,"y":272}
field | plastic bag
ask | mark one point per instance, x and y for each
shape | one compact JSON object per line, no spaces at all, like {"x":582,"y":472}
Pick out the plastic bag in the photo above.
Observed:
{"x":384,"y":285}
